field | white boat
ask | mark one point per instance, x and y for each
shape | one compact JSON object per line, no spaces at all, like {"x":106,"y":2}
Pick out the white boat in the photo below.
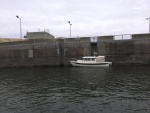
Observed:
{"x":91,"y":61}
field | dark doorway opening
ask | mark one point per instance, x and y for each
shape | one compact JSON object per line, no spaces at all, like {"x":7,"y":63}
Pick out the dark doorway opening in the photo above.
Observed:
{"x":93,"y":49}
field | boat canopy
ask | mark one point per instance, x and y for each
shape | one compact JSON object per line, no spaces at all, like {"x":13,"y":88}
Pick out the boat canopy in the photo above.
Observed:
{"x":89,"y":57}
{"x":93,"y":57}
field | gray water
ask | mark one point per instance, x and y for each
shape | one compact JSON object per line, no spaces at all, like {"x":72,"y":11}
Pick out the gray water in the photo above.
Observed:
{"x":119,"y":89}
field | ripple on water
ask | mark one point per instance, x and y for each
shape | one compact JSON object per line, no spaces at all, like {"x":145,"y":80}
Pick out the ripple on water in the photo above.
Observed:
{"x":75,"y":90}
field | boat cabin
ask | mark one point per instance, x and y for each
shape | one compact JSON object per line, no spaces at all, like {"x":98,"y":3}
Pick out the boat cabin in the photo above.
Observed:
{"x":93,"y":59}
{"x":89,"y":59}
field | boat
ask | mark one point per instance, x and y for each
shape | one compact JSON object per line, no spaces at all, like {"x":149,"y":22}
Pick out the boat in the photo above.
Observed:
{"x":91,"y":61}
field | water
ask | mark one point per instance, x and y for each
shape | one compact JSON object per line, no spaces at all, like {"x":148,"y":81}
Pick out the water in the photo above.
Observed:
{"x":75,"y":90}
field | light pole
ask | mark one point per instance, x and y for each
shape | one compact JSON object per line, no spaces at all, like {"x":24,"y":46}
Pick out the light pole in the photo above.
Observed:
{"x":70,"y":27}
{"x":149,"y":23}
{"x":20,"y":26}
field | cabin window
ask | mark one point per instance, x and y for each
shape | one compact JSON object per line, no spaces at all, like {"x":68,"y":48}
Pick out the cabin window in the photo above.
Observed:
{"x":92,"y":59}
{"x":87,"y":59}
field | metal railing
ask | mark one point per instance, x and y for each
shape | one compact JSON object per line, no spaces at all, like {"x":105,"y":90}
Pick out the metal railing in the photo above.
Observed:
{"x":122,"y":37}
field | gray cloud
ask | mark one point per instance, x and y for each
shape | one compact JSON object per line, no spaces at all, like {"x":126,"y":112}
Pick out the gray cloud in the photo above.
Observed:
{"x":88,"y":17}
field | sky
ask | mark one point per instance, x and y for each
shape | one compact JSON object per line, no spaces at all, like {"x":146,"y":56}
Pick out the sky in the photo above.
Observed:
{"x":88,"y":17}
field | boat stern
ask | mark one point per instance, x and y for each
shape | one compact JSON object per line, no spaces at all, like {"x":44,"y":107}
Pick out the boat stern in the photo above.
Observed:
{"x":73,"y":62}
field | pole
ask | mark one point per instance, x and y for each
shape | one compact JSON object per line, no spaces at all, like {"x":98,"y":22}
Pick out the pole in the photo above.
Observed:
{"x":149,"y":23}
{"x":70,"y":28}
{"x":20,"y":27}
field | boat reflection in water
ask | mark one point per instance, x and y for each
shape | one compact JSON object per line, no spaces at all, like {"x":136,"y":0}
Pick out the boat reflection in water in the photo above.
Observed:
{"x":91,"y":61}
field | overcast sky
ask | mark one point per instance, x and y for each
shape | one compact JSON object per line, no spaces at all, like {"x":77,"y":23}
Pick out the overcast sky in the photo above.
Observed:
{"x":88,"y":17}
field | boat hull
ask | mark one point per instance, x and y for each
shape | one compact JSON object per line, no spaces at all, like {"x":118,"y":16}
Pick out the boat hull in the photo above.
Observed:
{"x":98,"y":64}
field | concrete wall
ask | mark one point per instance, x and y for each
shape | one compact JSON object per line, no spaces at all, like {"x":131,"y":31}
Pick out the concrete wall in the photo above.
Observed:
{"x":104,"y":38}
{"x":39,"y":35}
{"x":2,"y":40}
{"x":140,"y":36}
{"x":36,"y":53}
{"x":30,"y":54}
{"x":58,"y":52}
{"x":118,"y":52}
{"x":141,"y":47}
{"x":76,"y":48}
{"x":135,"y":51}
